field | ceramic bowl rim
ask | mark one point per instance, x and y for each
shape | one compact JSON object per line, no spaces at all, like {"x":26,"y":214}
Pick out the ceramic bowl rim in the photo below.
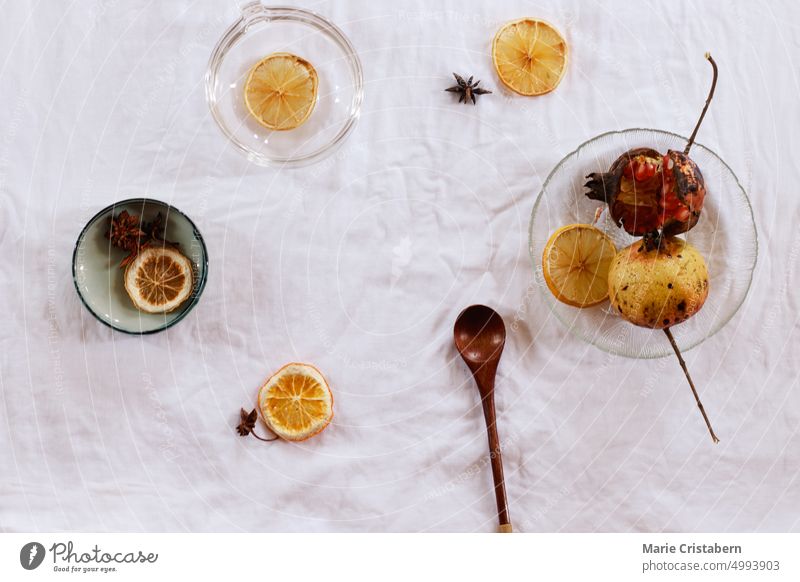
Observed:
{"x":203,"y":275}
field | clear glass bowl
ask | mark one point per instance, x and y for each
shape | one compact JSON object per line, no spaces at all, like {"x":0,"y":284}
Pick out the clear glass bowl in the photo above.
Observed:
{"x":725,"y":235}
{"x":260,"y":31}
{"x":99,"y":280}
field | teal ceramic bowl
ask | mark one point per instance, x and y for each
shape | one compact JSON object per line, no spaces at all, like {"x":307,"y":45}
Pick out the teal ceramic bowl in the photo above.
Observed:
{"x":99,"y":279}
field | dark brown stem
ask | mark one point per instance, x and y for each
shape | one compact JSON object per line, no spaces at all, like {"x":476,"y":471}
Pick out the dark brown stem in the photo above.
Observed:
{"x":689,"y":378}
{"x":263,"y":439}
{"x":705,"y":108}
{"x":652,"y":240}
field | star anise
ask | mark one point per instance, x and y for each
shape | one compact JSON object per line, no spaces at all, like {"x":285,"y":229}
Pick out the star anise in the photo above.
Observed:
{"x":154,"y":230}
{"x":247,"y":425}
{"x":467,"y":89}
{"x":128,"y":232}
{"x":125,"y":231}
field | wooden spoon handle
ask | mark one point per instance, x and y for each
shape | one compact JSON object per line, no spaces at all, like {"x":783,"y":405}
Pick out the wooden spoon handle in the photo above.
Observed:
{"x":495,"y":455}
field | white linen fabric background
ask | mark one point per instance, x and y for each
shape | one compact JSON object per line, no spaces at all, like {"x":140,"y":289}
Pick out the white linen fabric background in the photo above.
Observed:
{"x":360,"y":265}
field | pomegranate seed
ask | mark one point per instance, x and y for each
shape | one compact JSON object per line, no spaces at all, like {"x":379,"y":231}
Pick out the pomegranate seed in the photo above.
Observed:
{"x":628,"y":171}
{"x":643,"y":171}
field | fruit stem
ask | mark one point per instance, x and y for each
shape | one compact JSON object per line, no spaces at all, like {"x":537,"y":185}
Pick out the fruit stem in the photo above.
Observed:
{"x":689,"y":378}
{"x":652,"y":240}
{"x":705,"y":108}
{"x":264,"y":439}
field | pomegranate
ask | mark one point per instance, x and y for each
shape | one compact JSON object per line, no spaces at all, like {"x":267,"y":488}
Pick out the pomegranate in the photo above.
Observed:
{"x":650,"y":194}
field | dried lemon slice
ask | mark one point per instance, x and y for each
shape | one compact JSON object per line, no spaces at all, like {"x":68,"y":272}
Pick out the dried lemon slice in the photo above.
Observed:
{"x":530,"y":56}
{"x":159,"y":279}
{"x":296,"y":402}
{"x":281,"y":91}
{"x":575,"y":264}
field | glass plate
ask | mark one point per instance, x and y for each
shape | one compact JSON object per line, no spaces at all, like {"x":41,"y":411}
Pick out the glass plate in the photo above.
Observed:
{"x":263,"y":30}
{"x":725,"y":235}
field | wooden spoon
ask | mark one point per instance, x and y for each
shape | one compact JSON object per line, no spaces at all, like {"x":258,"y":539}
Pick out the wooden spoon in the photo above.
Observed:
{"x":480,"y":336}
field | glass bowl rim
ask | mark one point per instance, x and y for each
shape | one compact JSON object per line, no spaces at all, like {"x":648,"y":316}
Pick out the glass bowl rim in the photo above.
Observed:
{"x":535,"y":260}
{"x":257,"y":12}
{"x":201,"y":284}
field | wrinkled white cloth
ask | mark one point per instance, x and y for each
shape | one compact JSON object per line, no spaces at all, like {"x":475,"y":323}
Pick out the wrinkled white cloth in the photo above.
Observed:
{"x":360,"y":265}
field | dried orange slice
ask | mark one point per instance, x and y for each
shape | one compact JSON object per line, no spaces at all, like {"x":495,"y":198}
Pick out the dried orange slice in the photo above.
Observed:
{"x":296,"y":402}
{"x":159,"y":279}
{"x":281,"y":91}
{"x":575,"y":264}
{"x":530,"y":56}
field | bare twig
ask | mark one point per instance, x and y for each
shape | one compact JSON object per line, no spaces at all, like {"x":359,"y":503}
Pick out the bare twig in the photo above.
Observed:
{"x":705,"y":108}
{"x":689,"y":378}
